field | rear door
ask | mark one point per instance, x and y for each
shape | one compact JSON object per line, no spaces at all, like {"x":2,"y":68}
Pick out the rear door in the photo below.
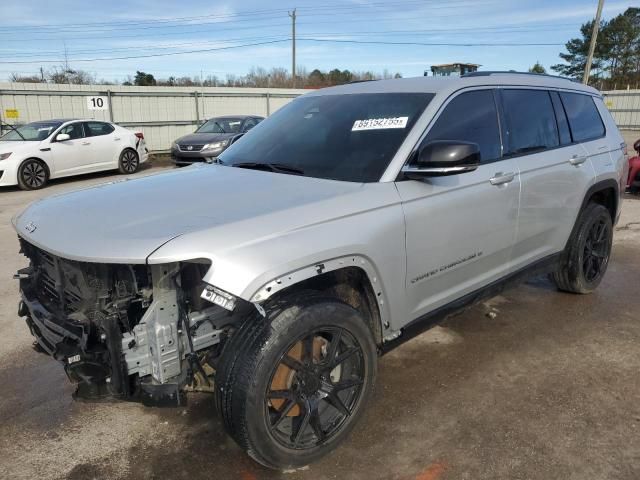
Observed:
{"x":460,"y":228}
{"x":554,"y":171}
{"x":104,"y":145}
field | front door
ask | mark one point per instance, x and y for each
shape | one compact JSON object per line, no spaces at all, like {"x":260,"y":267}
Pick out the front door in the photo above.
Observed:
{"x":460,"y":228}
{"x":69,"y":156}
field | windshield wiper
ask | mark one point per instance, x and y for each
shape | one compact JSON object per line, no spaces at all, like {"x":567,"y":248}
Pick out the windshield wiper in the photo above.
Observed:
{"x":14,"y":129}
{"x":274,"y":167}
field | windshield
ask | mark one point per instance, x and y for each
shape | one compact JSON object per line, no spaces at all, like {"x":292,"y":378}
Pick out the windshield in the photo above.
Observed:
{"x":221,"y":125}
{"x":31,"y":132}
{"x":341,"y":137}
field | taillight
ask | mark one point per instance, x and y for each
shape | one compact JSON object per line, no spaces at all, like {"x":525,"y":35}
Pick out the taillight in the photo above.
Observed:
{"x":140,"y":135}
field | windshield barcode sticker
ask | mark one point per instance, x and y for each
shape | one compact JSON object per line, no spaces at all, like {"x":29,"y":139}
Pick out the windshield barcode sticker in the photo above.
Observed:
{"x":380,"y":123}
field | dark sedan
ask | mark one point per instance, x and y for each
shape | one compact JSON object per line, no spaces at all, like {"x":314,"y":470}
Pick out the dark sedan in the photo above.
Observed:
{"x":211,"y":139}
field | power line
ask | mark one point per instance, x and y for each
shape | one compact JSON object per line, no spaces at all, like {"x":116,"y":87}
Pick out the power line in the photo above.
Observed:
{"x":152,"y":55}
{"x":431,"y":44}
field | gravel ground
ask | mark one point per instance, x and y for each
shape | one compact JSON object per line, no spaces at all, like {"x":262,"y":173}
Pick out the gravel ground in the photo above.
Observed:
{"x":533,"y":384}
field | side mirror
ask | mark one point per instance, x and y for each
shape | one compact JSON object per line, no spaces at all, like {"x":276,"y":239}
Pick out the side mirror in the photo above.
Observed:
{"x":443,"y":157}
{"x":236,"y":138}
{"x":63,"y":137}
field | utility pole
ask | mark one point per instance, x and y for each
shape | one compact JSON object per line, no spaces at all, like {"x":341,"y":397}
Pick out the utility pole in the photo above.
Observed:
{"x":592,"y":45}
{"x":293,"y":52}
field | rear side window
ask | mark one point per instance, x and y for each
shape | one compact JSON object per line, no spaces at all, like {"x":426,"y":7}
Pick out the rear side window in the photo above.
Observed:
{"x":561,"y":118}
{"x":470,"y":117}
{"x":584,"y":119}
{"x":95,"y":129}
{"x":531,"y":122}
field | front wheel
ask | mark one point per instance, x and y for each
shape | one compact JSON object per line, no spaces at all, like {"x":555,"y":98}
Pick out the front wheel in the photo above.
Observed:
{"x":586,"y":257}
{"x":129,"y":162}
{"x":32,"y":174}
{"x":291,"y":386}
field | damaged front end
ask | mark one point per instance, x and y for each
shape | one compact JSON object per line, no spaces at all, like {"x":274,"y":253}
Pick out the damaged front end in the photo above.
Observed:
{"x":132,"y":332}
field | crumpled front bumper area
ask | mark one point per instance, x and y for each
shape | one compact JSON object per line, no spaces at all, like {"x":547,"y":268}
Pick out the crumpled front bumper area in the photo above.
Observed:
{"x":93,"y":366}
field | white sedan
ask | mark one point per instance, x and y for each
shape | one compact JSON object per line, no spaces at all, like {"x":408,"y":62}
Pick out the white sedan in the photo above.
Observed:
{"x":32,"y":154}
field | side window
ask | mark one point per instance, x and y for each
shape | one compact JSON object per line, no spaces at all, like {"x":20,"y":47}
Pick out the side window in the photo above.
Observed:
{"x":95,"y":129}
{"x":249,"y":124}
{"x":584,"y":119}
{"x":531,"y":121}
{"x":74,"y":131}
{"x":561,"y":117}
{"x":470,"y":117}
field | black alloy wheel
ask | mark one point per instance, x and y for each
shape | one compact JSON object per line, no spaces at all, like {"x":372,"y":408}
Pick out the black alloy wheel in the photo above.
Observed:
{"x":32,"y":175}
{"x":129,"y":161}
{"x":314,"y":388}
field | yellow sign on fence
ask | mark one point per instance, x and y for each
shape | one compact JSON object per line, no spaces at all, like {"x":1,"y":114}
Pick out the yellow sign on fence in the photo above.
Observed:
{"x":11,"y":113}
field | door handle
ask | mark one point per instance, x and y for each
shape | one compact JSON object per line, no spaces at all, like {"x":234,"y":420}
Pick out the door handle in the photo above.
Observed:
{"x":116,"y":139}
{"x":577,"y":160}
{"x":502,"y":178}
{"x":86,"y":143}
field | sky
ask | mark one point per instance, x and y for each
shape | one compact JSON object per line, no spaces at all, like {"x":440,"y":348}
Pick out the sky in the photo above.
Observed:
{"x":207,"y":37}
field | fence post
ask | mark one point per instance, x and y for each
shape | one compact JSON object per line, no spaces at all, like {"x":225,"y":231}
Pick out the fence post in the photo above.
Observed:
{"x":110,"y":105}
{"x":195,"y":95}
{"x":268,"y":104}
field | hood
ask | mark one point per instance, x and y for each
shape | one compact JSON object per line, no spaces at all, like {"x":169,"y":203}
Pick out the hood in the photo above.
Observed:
{"x":17,"y":146}
{"x":201,"y":138}
{"x":125,"y":221}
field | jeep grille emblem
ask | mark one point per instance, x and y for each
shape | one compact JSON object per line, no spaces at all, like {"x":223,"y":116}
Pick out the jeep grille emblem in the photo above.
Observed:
{"x":30,"y":227}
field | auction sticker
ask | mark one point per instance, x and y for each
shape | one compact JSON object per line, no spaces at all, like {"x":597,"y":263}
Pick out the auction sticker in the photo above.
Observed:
{"x":379,"y":123}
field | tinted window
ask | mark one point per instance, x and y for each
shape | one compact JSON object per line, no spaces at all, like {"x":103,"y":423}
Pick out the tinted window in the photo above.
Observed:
{"x":470,"y":117}
{"x":584,"y":119}
{"x":561,"y":118}
{"x":531,"y":122}
{"x":343,"y":137}
{"x":249,"y":124}
{"x":74,"y":131}
{"x":95,"y":129}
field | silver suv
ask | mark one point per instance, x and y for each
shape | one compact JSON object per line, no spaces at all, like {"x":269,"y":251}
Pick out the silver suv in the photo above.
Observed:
{"x":349,"y":221}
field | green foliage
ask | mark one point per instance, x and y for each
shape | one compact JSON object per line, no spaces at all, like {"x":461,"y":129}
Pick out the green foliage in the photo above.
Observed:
{"x":616,"y":59}
{"x":143,"y":79}
{"x":537,"y":68}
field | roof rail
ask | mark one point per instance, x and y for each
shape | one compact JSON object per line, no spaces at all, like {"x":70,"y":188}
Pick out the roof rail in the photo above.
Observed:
{"x":513,"y":72}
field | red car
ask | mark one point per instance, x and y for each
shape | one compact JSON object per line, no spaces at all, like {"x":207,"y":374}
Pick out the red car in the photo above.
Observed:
{"x":633,"y":182}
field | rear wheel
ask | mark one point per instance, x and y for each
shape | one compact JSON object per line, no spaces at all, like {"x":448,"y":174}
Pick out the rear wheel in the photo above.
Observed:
{"x":32,"y":174}
{"x":129,"y":162}
{"x":291,"y":386}
{"x":586,"y":257}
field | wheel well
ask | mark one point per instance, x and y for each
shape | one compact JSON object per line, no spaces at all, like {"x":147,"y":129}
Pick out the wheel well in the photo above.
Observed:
{"x":129,"y":148}
{"x":608,"y":198}
{"x":352,"y":286}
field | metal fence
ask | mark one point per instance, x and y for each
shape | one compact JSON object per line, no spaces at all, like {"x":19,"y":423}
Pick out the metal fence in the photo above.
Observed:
{"x":161,"y":113}
{"x":166,"y":113}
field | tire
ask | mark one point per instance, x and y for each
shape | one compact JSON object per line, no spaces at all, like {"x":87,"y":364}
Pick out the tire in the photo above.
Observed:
{"x":585,"y":259}
{"x":281,"y":394}
{"x":33,"y":174}
{"x":129,"y":162}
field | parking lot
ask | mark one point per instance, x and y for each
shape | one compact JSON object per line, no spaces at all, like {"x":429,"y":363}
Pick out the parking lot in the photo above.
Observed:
{"x":532,"y":384}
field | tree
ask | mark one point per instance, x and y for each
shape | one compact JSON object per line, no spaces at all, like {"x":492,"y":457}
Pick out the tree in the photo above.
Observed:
{"x":17,"y":78}
{"x":143,"y":79}
{"x":66,"y":74}
{"x":577,"y":51}
{"x":616,"y":59}
{"x":537,"y":68}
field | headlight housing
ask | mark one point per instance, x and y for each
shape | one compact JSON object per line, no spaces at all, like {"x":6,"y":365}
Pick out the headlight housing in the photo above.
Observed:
{"x":4,"y":156}
{"x":216,"y":145}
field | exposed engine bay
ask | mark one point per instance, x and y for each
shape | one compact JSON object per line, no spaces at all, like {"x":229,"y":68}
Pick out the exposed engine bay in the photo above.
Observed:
{"x":133,"y":332}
